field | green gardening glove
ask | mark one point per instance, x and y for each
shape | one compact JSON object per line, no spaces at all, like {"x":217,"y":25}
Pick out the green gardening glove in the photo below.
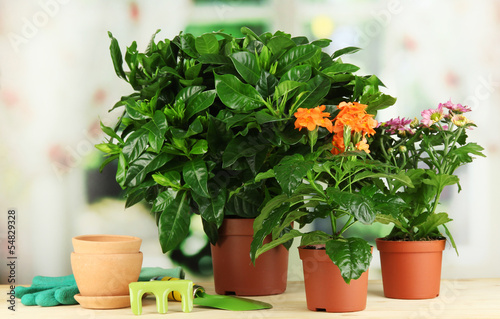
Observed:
{"x":54,"y":291}
{"x":49,"y":291}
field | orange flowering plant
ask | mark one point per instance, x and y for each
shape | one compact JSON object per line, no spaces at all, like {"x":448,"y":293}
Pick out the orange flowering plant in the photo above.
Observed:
{"x":331,"y":180}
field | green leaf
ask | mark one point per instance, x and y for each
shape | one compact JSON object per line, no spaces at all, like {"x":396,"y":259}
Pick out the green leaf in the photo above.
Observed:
{"x":387,"y":219}
{"x":347,"y":50}
{"x":135,"y":144}
{"x":295,"y":56}
{"x":237,"y":95}
{"x":265,"y":175}
{"x":275,"y":243}
{"x":323,"y":43}
{"x":116,"y":56}
{"x":440,"y":180}
{"x":248,"y":32}
{"x":200,"y":102}
{"x":207,"y":44}
{"x":143,"y":165}
{"x":300,"y":73}
{"x":109,"y":131}
{"x":340,"y":68}
{"x":173,"y":225}
{"x":241,"y":146}
{"x":357,"y":205}
{"x":351,"y":255}
{"x":212,"y":209}
{"x":279,"y":43}
{"x":214,"y":59}
{"x":195,"y":175}
{"x":168,"y":179}
{"x":133,"y":109}
{"x":187,"y":42}
{"x":448,"y":233}
{"x":317,"y":88}
{"x":266,"y":84}
{"x":121,"y":170}
{"x":157,"y":128}
{"x":316,"y":237}
{"x":200,"y":147}
{"x":247,"y":66}
{"x":286,"y":87}
{"x":377,"y":102}
{"x":163,"y":200}
{"x":290,"y":171}
{"x":432,"y":223}
{"x":192,"y":72}
{"x":108,"y":148}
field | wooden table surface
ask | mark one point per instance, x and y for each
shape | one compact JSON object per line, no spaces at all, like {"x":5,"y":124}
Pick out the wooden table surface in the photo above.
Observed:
{"x":474,"y":298}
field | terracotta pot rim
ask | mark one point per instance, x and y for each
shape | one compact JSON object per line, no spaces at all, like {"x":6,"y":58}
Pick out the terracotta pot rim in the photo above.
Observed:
{"x":385,"y":245}
{"x":105,"y":238}
{"x":111,"y":244}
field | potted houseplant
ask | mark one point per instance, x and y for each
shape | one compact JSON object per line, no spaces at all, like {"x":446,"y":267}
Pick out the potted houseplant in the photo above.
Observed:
{"x":328,"y":181}
{"x":428,"y":151}
{"x":209,"y":115}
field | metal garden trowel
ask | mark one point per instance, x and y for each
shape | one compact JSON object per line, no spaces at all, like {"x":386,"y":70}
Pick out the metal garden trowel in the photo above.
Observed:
{"x":201,"y":298}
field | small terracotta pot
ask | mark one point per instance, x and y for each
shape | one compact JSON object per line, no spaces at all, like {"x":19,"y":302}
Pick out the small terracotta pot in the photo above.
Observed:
{"x":325,"y":288}
{"x":104,"y":266}
{"x":106,"y":244}
{"x":105,"y":274}
{"x":234,"y":273}
{"x":411,"y":269}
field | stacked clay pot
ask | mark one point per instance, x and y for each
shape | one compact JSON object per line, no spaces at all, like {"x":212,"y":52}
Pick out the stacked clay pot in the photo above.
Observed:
{"x":104,"y":266}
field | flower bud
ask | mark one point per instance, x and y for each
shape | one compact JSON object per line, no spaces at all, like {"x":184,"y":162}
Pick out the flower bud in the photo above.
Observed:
{"x":402,"y":149}
{"x":414,"y":123}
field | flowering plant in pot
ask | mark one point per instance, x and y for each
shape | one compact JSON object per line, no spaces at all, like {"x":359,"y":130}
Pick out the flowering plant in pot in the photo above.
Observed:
{"x":428,"y":151}
{"x":211,"y":115}
{"x":330,"y":181}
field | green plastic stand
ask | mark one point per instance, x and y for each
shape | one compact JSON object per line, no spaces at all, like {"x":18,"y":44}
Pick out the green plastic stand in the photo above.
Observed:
{"x":161,"y":289}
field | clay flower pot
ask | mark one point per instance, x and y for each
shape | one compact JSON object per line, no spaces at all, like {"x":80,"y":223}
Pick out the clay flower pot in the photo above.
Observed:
{"x":411,"y":269}
{"x":325,"y":288}
{"x":104,"y":266}
{"x":234,"y":273}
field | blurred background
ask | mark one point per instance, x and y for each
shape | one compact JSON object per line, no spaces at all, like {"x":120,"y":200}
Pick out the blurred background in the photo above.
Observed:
{"x":57,"y":81}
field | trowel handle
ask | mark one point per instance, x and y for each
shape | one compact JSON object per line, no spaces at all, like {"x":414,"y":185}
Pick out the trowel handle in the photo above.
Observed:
{"x":175,"y":295}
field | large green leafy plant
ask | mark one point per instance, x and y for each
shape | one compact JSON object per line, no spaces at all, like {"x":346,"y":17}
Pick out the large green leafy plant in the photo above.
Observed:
{"x":209,"y":115}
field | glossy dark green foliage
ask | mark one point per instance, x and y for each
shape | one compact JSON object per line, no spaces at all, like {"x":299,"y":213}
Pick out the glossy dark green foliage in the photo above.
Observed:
{"x":209,"y":114}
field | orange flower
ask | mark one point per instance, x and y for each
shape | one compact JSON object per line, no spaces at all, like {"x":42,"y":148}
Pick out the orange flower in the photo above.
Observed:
{"x":312,"y":118}
{"x":363,"y":145}
{"x":354,"y":116}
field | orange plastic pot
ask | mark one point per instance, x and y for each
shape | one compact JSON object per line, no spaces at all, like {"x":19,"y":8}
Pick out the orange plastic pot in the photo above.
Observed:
{"x":325,"y":288}
{"x":234,"y":272}
{"x":411,"y":269}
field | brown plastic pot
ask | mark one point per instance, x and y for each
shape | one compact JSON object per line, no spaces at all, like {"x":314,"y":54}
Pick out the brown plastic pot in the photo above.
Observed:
{"x":325,"y":288}
{"x":411,"y":269}
{"x":234,"y":273}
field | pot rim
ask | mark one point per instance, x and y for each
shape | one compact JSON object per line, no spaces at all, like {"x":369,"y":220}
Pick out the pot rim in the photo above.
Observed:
{"x":103,"y":243}
{"x":105,"y":238}
{"x":418,"y":246}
